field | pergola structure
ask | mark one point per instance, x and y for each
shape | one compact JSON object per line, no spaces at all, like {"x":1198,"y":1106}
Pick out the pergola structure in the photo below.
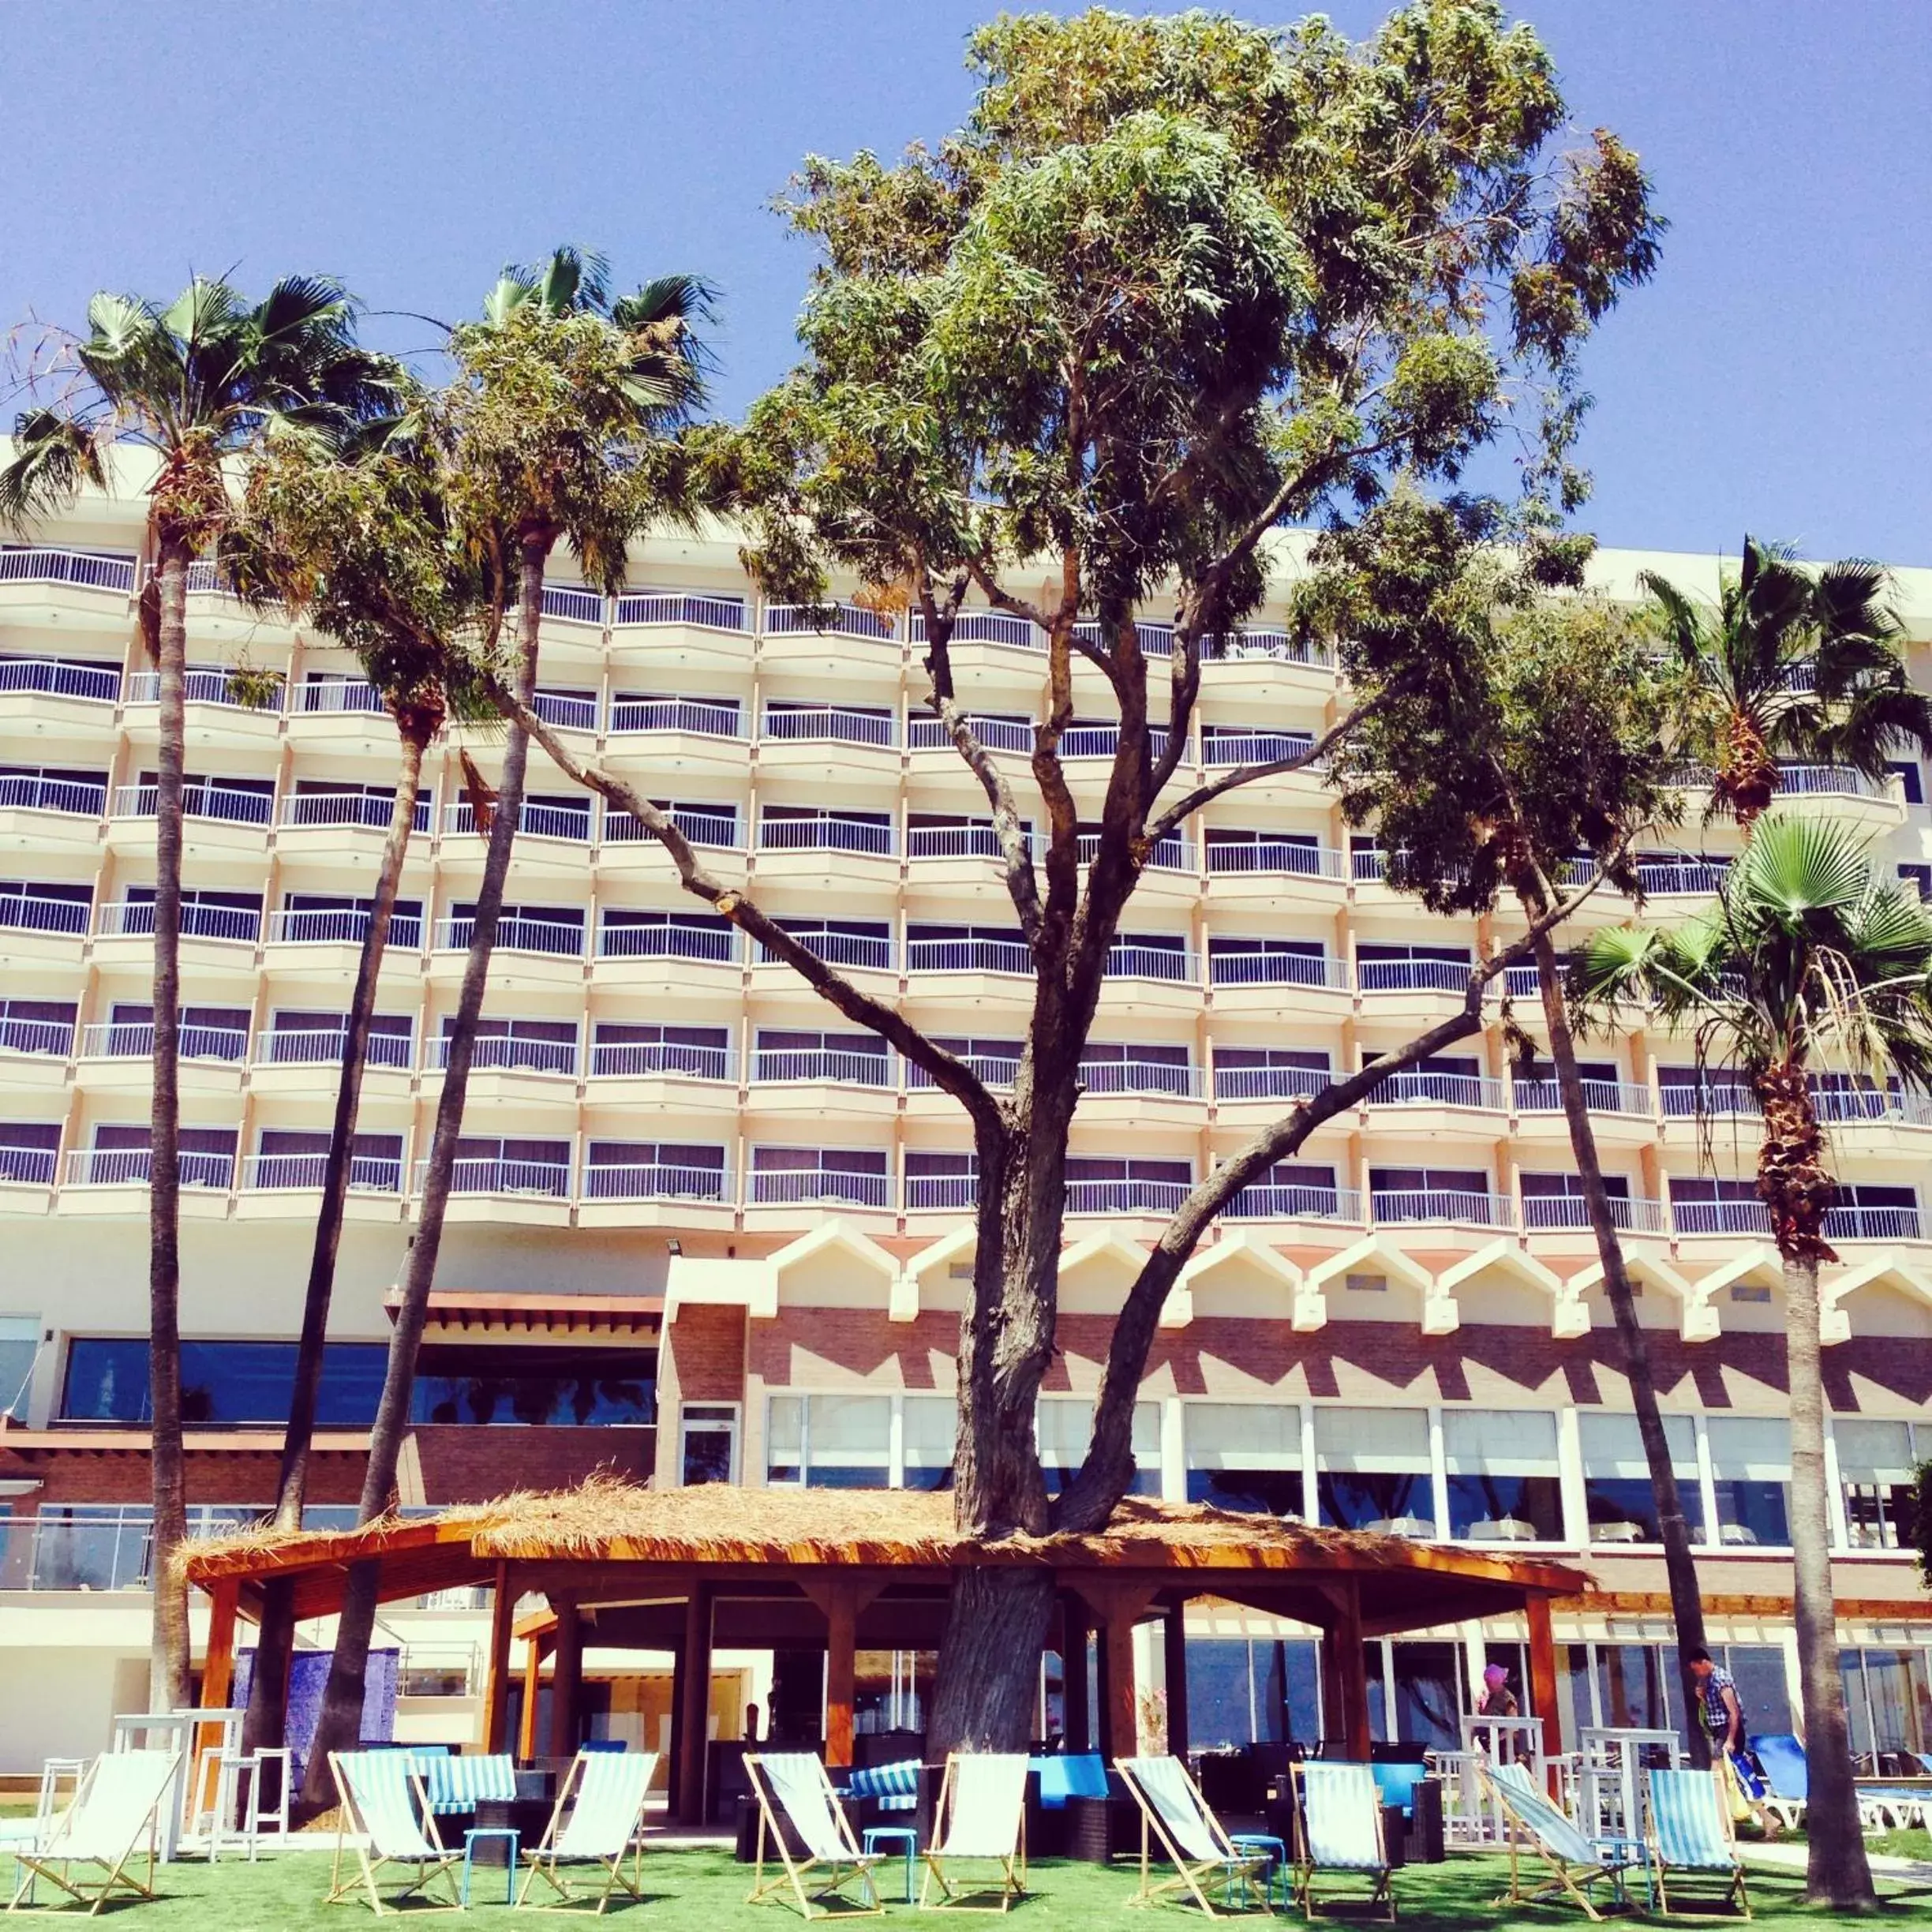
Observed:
{"x":684,"y":1570}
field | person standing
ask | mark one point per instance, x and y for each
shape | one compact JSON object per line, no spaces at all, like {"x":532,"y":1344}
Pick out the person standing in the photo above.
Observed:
{"x":1723,"y":1716}
{"x":1499,"y":1701}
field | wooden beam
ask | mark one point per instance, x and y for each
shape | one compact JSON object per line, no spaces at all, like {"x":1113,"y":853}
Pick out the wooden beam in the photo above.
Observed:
{"x":1078,"y":1717}
{"x":841,"y":1646}
{"x":534,"y":1649}
{"x":1173,"y":1631}
{"x":1120,"y":1717}
{"x":496,"y":1684}
{"x":694,"y":1707}
{"x":1350,"y":1675}
{"x":218,"y":1666}
{"x":566,"y":1680}
{"x":1543,"y":1680}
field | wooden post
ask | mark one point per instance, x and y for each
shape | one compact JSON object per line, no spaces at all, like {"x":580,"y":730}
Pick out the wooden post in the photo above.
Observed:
{"x":694,"y":1705}
{"x":1078,"y":1720}
{"x":218,"y":1669}
{"x":1120,"y":1726}
{"x":566,"y":1679}
{"x":533,"y":1649}
{"x":841,"y":1646}
{"x":1174,"y":1630}
{"x":1351,"y":1675}
{"x":1543,"y":1681}
{"x":496,"y":1684}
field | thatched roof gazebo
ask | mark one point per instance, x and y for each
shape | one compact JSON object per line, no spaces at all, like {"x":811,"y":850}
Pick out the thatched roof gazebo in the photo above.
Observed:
{"x":680,"y":1570}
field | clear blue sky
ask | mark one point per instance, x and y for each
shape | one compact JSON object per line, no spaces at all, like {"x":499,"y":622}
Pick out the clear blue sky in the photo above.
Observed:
{"x":1774,"y":377}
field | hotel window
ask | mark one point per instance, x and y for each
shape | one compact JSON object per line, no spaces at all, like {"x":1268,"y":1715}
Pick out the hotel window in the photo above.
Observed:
{"x":1129,"y":1067}
{"x":1063,"y":1427}
{"x":1371,"y":1470}
{"x":30,"y":1026}
{"x":1244,"y":1456}
{"x":1432,"y":1194}
{"x":553,"y":1388}
{"x":1617,"y":1494}
{"x":941,"y":1181}
{"x":521,"y":1046}
{"x":27,"y":1151}
{"x":1702,"y":1206}
{"x":120,"y":1155}
{"x":1503,"y":1482}
{"x":1906,"y":771}
{"x":630,"y":1047}
{"x":324,"y":801}
{"x":829,"y":1441}
{"x":1876,"y":1462}
{"x":849,"y":1059}
{"x":858,"y":1176}
{"x":1270,"y":1072}
{"x":1556,"y":1201}
{"x":653,"y":1171}
{"x":325,"y":918}
{"x":287,"y":1159}
{"x":1235,"y":961}
{"x":1094,"y":1185}
{"x":1751,"y":1471}
{"x":1888,"y":1695}
{"x":489,"y":1166}
{"x":1412,"y":968}
{"x":708,"y":1447}
{"x":928,"y":1427}
{"x":20,"y":1344}
{"x":296,"y":1036}
{"x":207,"y":1032}
{"x":106,"y":1380}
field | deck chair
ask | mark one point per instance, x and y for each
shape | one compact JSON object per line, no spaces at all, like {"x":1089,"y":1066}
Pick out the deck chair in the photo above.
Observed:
{"x":793,"y":1789}
{"x":1788,"y":1777}
{"x":604,"y":1794}
{"x":980,"y":1819}
{"x":117,"y":1806}
{"x":1575,"y":1861}
{"x":451,"y":1783}
{"x":383,"y":1802}
{"x":1341,"y":1814}
{"x":1691,"y":1831}
{"x":1191,"y":1837}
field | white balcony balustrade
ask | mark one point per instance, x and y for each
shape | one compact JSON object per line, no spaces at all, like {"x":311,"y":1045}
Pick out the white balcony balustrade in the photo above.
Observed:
{"x":1260,"y":967}
{"x":487,"y":1174}
{"x":1128,"y":1196}
{"x":640,"y":1059}
{"x":716,"y":828}
{"x":1228,"y":746}
{"x":1601,"y":1096}
{"x":829,"y":832}
{"x":324,"y":1046}
{"x":1843,"y":1105}
{"x":873,"y":951}
{"x":850,"y":620}
{"x":823,"y":1063}
{"x":1141,"y":1077}
{"x":1570,"y":1213}
{"x":1455,"y":1090}
{"x":1825,"y":782}
{"x":1862,"y":1223}
{"x":930,"y":1193}
{"x":994,"y":1070}
{"x":1098,"y":741}
{"x":133,"y":918}
{"x":985,"y":627}
{"x":1270,"y":1083}
{"x":368,"y":811}
{"x":134,"y":1166}
{"x":1718,"y":1099}
{"x":538,"y":820}
{"x":368,"y":1174}
{"x":30,"y":791}
{"x":977,"y":840}
{"x":794,"y":1187}
{"x":997,"y":734}
{"x":1289,"y":855}
{"x":680,"y":606}
{"x":28,"y":1167}
{"x":566,"y":711}
{"x":672,"y":939}
{"x":979,"y":955}
{"x":829,"y":724}
{"x":340,"y":926}
{"x":130,"y":1039}
{"x":574,"y":603}
{"x":54,"y":1037}
{"x":703,"y":717}
{"x":1720,"y":1217}
{"x":1413,"y":976}
{"x":1267,"y":1200}
{"x":519,"y":934}
{"x":1126,"y":961}
{"x":1276,"y":646}
{"x":1174,"y":853}
{"x":52,"y":677}
{"x":201,"y":799}
{"x":200,"y":684}
{"x":1663,"y":878}
{"x":1397,"y":1206}
{"x":87,"y":570}
{"x":27,"y":911}
{"x":511,"y":1052}
{"x":653,"y":1180}
{"x":328,"y":697}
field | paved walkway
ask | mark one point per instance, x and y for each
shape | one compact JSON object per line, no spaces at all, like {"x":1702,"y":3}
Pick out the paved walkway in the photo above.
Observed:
{"x":1791,"y":1858}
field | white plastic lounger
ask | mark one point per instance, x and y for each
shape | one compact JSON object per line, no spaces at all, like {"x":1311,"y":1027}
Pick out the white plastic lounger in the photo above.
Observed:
{"x":1340,"y":1813}
{"x":1691,"y":1831}
{"x":604,"y":1792}
{"x":116,"y":1807}
{"x":980,"y":1819}
{"x":793,"y":1789}
{"x":383,"y":1800}
{"x":1575,"y":1862}
{"x":1191,"y":1837}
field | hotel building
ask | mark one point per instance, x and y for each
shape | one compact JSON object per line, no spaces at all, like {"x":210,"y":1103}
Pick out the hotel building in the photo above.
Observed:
{"x":704,"y":1230}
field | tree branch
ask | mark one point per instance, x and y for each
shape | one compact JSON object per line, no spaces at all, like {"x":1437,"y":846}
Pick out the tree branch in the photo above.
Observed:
{"x":1247,"y":774}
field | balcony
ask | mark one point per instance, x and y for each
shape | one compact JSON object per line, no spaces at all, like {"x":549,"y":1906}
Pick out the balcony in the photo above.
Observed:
{"x":29,"y":791}
{"x":648,"y":1059}
{"x":1125,"y":960}
{"x":1570,"y":1214}
{"x":976,"y":840}
{"x":340,"y":926}
{"x":574,"y":603}
{"x":45,"y":1038}
{"x":1846,"y":1224}
{"x":49,"y":677}
{"x":122,"y":1040}
{"x":1228,"y":746}
{"x":849,"y":621}
{"x":1012,"y":956}
{"x":1717,"y":1099}
{"x":28,"y":1167}
{"x":1600,"y":1096}
{"x":1264,"y":968}
{"x":715,"y":830}
{"x":133,"y":1167}
{"x":1102,"y":741}
{"x":831,"y":832}
{"x":997,"y":734}
{"x":1174,"y":853}
{"x":997,"y":1071}
{"x":1447,"y":1090}
{"x":810,"y":1187}
{"x":538,"y":820}
{"x":680,"y":606}
{"x":543,"y":1181}
{"x":200,"y":684}
{"x":824,"y":1063}
{"x":1141,"y":1078}
{"x":702,"y":717}
{"x":211,"y":800}
{"x":942,"y":1193}
{"x":555,"y":939}
{"x":1404,"y":1207}
{"x":1126,"y":1197}
{"x":37,"y":912}
{"x":1272,"y":1201}
{"x":84,"y":569}
{"x":1249,"y":874}
{"x":829,"y":724}
{"x":368,"y":1174}
{"x":1413,"y":976}
{"x":368,"y":811}
{"x":717,"y":944}
{"x":1265,"y":644}
{"x":1270,"y":1083}
{"x":329,"y":697}
{"x":510,"y":1054}
{"x":642,"y":1181}
{"x":133,"y":918}
{"x":985,"y":627}
{"x":390,"y":1052}
{"x":1664,"y":879}
{"x":867,"y":951}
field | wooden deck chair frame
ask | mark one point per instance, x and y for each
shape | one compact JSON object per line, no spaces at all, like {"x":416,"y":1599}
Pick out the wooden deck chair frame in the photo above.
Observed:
{"x":855,"y":1866}
{"x":1381,"y":1875}
{"x":1736,"y":1896}
{"x":1563,"y":1877}
{"x":1010,"y":1884}
{"x":543,"y":1861}
{"x":1195,"y":1877}
{"x":342,"y":1891}
{"x":115,"y":1877}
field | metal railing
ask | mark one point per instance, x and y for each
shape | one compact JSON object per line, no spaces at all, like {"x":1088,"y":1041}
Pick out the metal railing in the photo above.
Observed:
{"x":829,"y":724}
{"x":1156,"y":640}
{"x":788,"y":1187}
{"x":370,"y":810}
{"x":839,"y":949}
{"x":1305,"y":969}
{"x":323,"y":1046}
{"x":26,"y":911}
{"x":977,"y":840}
{"x":566,"y":711}
{"x":852,"y":620}
{"x":320,"y":696}
{"x":1722,"y":1217}
{"x":368,"y":1174}
{"x":1460,"y":1090}
{"x":1442,"y":1204}
{"x":1174,"y":853}
{"x":489,"y":1174}
{"x":1720,"y":1099}
{"x":87,"y":571}
{"x":29,"y":791}
{"x":340,"y":926}
{"x":993,"y":955}
{"x":697,"y":715}
{"x":680,"y":606}
{"x":199,"y":685}
{"x":1086,"y":741}
{"x":50,"y":678}
{"x":1270,"y":1083}
{"x":133,"y":1040}
{"x":1141,"y":1076}
{"x":823,"y":1063}
{"x":133,"y":918}
{"x":1127,"y":961}
{"x":985,"y":627}
{"x":1842,"y":1105}
{"x":991,"y":1070}
{"x":28,"y":1167}
{"x":652,"y":1181}
{"x":128,"y":1166}
{"x":570,"y":821}
{"x":510,"y":1053}
{"x":1825,"y":780}
{"x":564,"y":938}
{"x":1269,"y":1201}
{"x":997,"y":734}
{"x":210,"y":800}
{"x":1422,"y":976}
{"x":834,"y":832}
{"x":716,"y":829}
{"x":1872,"y":1224}
{"x":672,"y":941}
{"x":959,"y":1192}
{"x":1308,"y":861}
{"x":573,"y":604}
{"x":1601,"y":1096}
{"x":1253,"y":747}
{"x":37,"y":1036}
{"x":1550,"y":1213}
{"x":1126,"y":1196}
{"x":633,"y":1059}
{"x":1279,"y":646}
{"x":1664,"y":877}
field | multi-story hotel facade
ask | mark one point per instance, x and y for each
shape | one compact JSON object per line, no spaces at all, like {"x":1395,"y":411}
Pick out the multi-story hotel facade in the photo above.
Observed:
{"x":703,"y":1230}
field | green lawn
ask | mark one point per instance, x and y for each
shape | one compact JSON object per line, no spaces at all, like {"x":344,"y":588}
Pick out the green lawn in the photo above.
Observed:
{"x":706,"y":1890}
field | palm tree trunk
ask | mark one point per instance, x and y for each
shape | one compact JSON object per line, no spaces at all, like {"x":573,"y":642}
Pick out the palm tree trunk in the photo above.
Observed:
{"x":342,"y":1700}
{"x":275,"y":1640}
{"x":1679,"y":1568}
{"x":168,"y":1681}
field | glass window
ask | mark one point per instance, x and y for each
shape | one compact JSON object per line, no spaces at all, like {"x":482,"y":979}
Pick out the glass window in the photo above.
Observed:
{"x":1503,"y":1485}
{"x":1063,"y":1426}
{"x":20,"y":1343}
{"x":1876,"y":1465}
{"x":928,"y":1427}
{"x":562,"y":1388}
{"x":1244,"y":1456}
{"x":829,"y":1441}
{"x":1763,"y":1690}
{"x":1250,"y":1689}
{"x":1631,"y":1685}
{"x":1616,"y":1478}
{"x":709,"y":1450}
{"x":1751,"y":1466}
{"x":1371,"y":1470}
{"x":1429,"y":1700}
{"x":222,"y":1382}
{"x":1889,"y":1700}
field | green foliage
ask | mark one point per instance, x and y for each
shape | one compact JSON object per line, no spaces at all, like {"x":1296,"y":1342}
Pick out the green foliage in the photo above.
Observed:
{"x":1921,"y":1519}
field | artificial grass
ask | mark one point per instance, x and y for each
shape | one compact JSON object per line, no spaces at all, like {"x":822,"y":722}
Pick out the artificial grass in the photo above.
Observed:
{"x":706,"y":1889}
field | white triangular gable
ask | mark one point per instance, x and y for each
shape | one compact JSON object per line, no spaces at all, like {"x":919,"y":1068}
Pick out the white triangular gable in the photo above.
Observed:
{"x":1835,"y":1321}
{"x":961,"y":1244}
{"x":1697,"y":1320}
{"x":1440,"y":1313}
{"x":1569,"y":1318}
{"x":1246,"y":1246}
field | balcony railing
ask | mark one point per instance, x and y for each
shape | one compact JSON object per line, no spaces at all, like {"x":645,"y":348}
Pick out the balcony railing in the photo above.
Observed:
{"x":1270,"y":1083}
{"x":1277,"y":855}
{"x":133,"y":918}
{"x":696,"y":715}
{"x":787,"y":1187}
{"x":680,"y":606}
{"x":209,"y":686}
{"x":1442,"y":1204}
{"x":1163,"y":1197}
{"x":510,"y":1054}
{"x":992,"y":956}
{"x":1156,"y":640}
{"x":1141,"y":1077}
{"x":1303,"y":969}
{"x":930,"y":1193}
{"x":368,"y":1174}
{"x":822,"y":1063}
{"x":28,"y":1167}
{"x":129,"y":1166}
{"x":1421,"y":975}
{"x":636,"y":1059}
{"x":487,"y":1174}
{"x":986,"y":627}
{"x":1826,"y":781}
{"x":35,"y":913}
{"x":1174,"y":853}
{"x":323,"y":1046}
{"x":228,"y":803}
{"x":37,"y":1036}
{"x":966,"y":841}
{"x":997,"y":734}
{"x":1551,"y":1213}
{"x":84,"y":569}
{"x":1844,"y":1105}
{"x":1267,"y":1200}
{"x":1719,"y":1099}
{"x":132,"y":1039}
{"x":566,"y":710}
{"x":715,"y":944}
{"x":716,"y":829}
{"x":1873,"y":1224}
{"x":1724,"y":1217}
{"x":340,"y":926}
{"x":27,"y":791}
{"x":1279,"y":646}
{"x":538,"y":821}
{"x":829,"y":724}
{"x":369,"y":809}
{"x":1457,"y":1090}
{"x":574,"y":603}
{"x":652,"y":1181}
{"x":1601,"y":1096}
{"x":840,"y":948}
{"x":992,"y":1070}
{"x":319,"y":697}
{"x":1125,"y":961}
{"x":836,"y":832}
{"x":564,"y":939}
{"x":851,"y":621}
{"x":1663,"y":878}
{"x":1095,"y":741}
{"x":1253,"y":747}
{"x":50,"y":678}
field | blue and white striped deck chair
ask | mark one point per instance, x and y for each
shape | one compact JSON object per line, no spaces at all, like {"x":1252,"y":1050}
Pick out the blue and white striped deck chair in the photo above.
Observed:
{"x":1191,"y":1837}
{"x":980,"y":1819}
{"x":452,"y":1783}
{"x":1691,"y":1831}
{"x":1576,"y":1861}
{"x":115,"y":1809}
{"x":792,"y":1790}
{"x":603,"y":1794}
{"x":894,"y":1786}
{"x":1341,"y":1814}
{"x":383,"y":1803}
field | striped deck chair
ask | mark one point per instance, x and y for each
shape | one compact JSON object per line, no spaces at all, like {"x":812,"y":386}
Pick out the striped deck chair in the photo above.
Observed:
{"x":382,"y":1801}
{"x":1690,"y":1831}
{"x":1340,"y":1815}
{"x":980,"y":1819}
{"x":1576,"y":1861}
{"x":791,"y":1789}
{"x":893,"y":1787}
{"x":1173,"y":1810}
{"x":452,"y":1783}
{"x":604,"y":1794}
{"x":117,"y":1806}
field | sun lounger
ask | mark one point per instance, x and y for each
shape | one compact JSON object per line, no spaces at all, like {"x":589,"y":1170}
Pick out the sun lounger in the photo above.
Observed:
{"x":1574,"y":1861}
{"x":1206,"y":1865}
{"x":792,"y":1790}
{"x":980,"y":1819}
{"x":117,"y":1806}
{"x":1340,"y":1814}
{"x":1690,"y":1831}
{"x":452,"y":1783}
{"x":599,"y":1817}
{"x":382,"y":1801}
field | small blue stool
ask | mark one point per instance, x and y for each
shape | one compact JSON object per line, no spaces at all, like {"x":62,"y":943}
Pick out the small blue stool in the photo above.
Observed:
{"x":509,"y":1870}
{"x":1277,"y":1865}
{"x":877,"y":1837}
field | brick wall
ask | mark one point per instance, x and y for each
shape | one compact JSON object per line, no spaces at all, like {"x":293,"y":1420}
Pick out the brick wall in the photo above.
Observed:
{"x":463,"y":1465}
{"x":700,"y":1357}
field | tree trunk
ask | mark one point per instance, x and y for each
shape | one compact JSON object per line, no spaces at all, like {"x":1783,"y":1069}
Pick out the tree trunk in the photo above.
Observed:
{"x":986,"y":1691}
{"x":342,"y":1700}
{"x":275,"y":1639}
{"x":169,"y":1685}
{"x":1679,"y":1566}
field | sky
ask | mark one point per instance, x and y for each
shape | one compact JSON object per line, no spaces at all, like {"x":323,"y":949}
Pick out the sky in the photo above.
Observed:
{"x":1774,"y":378}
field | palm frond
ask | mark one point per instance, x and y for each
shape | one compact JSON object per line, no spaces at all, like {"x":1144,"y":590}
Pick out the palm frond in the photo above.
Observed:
{"x":1797,"y":866}
{"x":666,"y":298}
{"x":55,"y":457}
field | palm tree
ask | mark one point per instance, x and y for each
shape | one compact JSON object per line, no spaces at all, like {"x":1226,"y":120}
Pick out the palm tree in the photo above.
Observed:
{"x":1793,"y":661}
{"x":193,"y":384}
{"x":545,"y":436}
{"x":1808,"y":959}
